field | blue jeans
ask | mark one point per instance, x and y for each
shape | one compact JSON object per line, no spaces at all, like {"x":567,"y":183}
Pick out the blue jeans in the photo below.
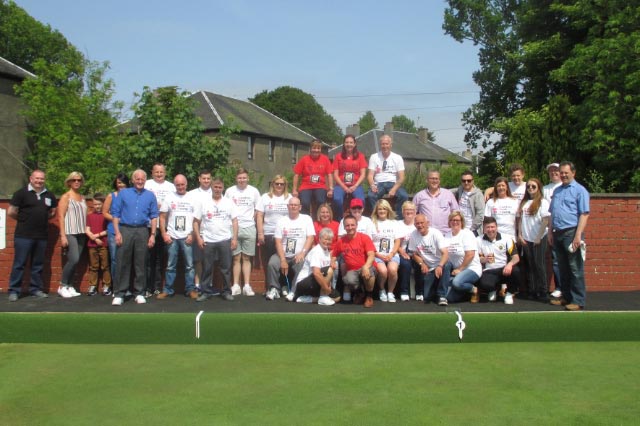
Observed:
{"x":338,"y":200}
{"x":173,"y":253}
{"x":319,"y":195}
{"x":462,"y":285}
{"x":74,"y":251}
{"x":113,"y":258}
{"x":442,"y":283}
{"x":571,"y":265}
{"x":24,"y":248}
{"x":383,"y":189}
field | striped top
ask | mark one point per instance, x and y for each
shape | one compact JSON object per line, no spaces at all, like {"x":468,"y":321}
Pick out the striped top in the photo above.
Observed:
{"x":75,"y":221}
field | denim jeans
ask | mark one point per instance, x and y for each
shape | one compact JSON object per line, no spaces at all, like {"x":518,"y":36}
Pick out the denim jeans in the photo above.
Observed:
{"x":113,"y":257}
{"x":442,"y":283}
{"x":319,"y":195}
{"x":74,"y":251}
{"x":173,"y":253}
{"x":462,"y":285}
{"x":338,"y":200}
{"x":24,"y":248}
{"x":571,"y":265}
{"x":383,"y":189}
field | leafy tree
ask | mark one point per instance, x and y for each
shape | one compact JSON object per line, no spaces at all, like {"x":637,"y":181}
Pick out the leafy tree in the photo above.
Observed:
{"x":302,"y":110}
{"x":367,"y":122}
{"x":72,"y":123}
{"x":24,"y":40}
{"x":403,"y":123}
{"x":567,"y":89}
{"x":169,"y":131}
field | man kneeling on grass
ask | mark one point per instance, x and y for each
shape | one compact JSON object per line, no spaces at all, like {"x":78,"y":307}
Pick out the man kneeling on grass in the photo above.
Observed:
{"x":358,"y":253}
{"x":314,"y":280}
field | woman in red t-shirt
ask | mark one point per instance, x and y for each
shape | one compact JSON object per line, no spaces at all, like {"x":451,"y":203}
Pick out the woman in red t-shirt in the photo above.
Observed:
{"x":313,"y":178}
{"x":349,"y":170}
{"x":325,"y":220}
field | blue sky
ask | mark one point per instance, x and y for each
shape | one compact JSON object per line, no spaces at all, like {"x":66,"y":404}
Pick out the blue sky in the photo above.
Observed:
{"x":339,"y":51}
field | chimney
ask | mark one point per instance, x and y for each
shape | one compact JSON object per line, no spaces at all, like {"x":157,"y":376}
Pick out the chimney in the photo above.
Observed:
{"x":354,"y":130}
{"x":388,"y":128}
{"x":468,"y":154}
{"x":423,"y":135}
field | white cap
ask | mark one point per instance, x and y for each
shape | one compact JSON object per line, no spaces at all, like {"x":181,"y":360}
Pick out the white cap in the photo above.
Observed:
{"x":553,"y":165}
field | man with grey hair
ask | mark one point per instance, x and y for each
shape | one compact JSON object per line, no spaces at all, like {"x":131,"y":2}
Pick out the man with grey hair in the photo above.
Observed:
{"x":386,"y":175}
{"x":135,"y":219}
{"x":436,"y":203}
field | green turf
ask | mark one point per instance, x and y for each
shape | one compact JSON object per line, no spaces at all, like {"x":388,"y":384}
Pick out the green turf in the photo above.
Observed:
{"x":320,"y":328}
{"x":493,"y":383}
{"x":352,"y":369}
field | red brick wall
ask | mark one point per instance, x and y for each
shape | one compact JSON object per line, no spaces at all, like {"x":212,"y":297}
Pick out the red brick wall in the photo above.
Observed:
{"x":612,"y":236}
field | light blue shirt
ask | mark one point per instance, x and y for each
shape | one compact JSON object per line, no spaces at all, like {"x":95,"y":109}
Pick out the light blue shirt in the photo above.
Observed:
{"x":569,"y":202}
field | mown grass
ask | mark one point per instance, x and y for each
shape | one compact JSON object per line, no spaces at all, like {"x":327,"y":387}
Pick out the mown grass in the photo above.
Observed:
{"x":86,"y":369}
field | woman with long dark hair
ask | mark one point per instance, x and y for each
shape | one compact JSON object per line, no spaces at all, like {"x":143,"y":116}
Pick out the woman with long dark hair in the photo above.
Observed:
{"x":349,"y":171}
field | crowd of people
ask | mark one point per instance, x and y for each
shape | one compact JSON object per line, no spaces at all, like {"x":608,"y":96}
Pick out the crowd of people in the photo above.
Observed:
{"x":315,"y":243}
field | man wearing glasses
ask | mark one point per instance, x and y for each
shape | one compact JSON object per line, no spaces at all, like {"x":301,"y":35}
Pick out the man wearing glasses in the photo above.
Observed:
{"x":471,"y":203}
{"x":386,"y":175}
{"x":293,"y":239}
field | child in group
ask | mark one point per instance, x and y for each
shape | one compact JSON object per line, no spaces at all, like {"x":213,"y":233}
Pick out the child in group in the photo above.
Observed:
{"x":98,"y":248}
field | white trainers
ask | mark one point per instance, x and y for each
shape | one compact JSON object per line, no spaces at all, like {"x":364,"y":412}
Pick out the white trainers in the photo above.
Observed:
{"x":290,"y":297}
{"x":556,"y":293}
{"x":63,"y":291}
{"x":285,"y":291}
{"x":73,"y":292}
{"x":117,"y":301}
{"x":305,"y":299}
{"x":346,"y":296}
{"x":325,"y":301}
{"x":492,"y":296}
{"x":404,"y":297}
{"x":383,"y":296}
{"x":236,"y":290}
{"x":508,"y":299}
{"x":419,"y":298}
{"x":140,"y":299}
{"x":272,"y":294}
{"x":247,"y":290}
{"x":391,"y":298}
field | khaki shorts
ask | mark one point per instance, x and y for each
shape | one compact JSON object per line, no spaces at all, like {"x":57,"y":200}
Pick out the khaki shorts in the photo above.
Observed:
{"x":353,"y":278}
{"x":246,"y":241}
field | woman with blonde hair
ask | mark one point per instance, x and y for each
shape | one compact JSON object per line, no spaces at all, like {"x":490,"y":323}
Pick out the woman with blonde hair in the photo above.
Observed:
{"x":405,"y":268}
{"x":270,"y":208}
{"x":72,"y":218}
{"x":466,"y":268}
{"x":386,"y":240}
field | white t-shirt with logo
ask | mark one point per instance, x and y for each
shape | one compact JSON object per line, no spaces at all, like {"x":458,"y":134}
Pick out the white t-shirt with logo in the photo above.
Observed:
{"x":518,"y":191}
{"x":246,"y":201}
{"x":404,"y":232}
{"x":179,"y":210}
{"x":216,"y":219}
{"x":465,"y":208}
{"x":429,"y":246}
{"x":384,"y":235}
{"x":293,"y":233}
{"x":461,"y":243}
{"x":274,"y":208}
{"x":501,"y":249}
{"x":386,"y":169}
{"x":317,"y":257}
{"x":504,"y":211}
{"x":161,"y":190}
{"x":365,"y":226}
{"x":199,"y":195}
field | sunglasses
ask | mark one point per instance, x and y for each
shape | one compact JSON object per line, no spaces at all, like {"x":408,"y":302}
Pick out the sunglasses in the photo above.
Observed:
{"x":278,"y":184}
{"x":532,"y":186}
{"x":467,"y":180}
{"x":75,"y":180}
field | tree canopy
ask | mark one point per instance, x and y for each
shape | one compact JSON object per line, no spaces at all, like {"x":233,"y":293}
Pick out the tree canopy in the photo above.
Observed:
{"x":559,"y":80}
{"x":403,"y":123}
{"x":367,"y":122}
{"x":302,"y":110}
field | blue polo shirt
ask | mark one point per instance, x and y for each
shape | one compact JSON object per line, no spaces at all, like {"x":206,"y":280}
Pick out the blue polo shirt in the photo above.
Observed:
{"x":569,"y":202}
{"x":135,"y":208}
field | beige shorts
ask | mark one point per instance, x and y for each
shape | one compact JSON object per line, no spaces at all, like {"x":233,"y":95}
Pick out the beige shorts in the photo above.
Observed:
{"x":246,"y":241}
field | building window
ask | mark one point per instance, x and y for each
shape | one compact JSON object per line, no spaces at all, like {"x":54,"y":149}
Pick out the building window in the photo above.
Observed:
{"x":251,"y":146}
{"x":272,"y":148}
{"x":294,"y":153}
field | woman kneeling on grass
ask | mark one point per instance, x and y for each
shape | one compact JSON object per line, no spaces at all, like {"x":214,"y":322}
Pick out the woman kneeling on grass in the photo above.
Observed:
{"x":465,"y":262}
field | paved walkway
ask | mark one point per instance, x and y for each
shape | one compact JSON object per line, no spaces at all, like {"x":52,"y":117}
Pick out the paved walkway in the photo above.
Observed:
{"x":597,"y":301}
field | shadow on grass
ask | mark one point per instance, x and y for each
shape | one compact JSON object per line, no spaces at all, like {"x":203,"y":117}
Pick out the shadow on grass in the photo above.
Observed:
{"x":243,"y":329}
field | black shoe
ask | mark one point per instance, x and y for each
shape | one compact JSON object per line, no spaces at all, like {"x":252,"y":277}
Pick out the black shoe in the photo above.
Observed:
{"x":203,"y":297}
{"x":228,"y":297}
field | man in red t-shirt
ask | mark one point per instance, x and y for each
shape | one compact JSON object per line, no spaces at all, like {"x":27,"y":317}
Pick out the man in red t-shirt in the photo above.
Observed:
{"x":358,"y":253}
